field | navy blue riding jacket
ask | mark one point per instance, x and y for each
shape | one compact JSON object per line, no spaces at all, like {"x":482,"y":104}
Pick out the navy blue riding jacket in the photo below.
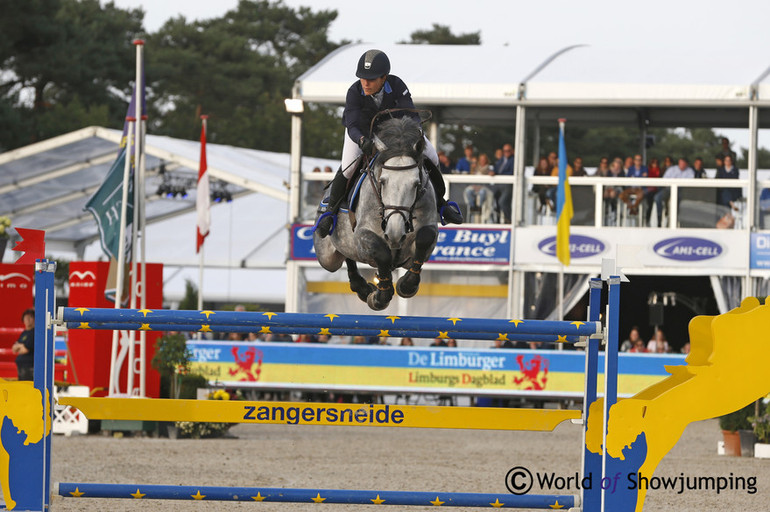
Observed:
{"x":361,"y":109}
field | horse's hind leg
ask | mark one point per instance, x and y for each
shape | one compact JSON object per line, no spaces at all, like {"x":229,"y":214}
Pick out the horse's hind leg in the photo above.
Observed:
{"x":424,"y":242}
{"x":358,"y":284}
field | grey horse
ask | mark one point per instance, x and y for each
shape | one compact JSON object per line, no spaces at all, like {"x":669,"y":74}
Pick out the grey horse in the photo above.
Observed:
{"x":395,"y":224}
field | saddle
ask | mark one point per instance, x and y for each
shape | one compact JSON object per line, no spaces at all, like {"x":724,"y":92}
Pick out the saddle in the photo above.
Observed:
{"x":350,"y":202}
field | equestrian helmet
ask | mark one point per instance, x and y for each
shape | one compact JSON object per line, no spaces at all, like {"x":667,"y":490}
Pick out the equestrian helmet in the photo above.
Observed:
{"x":373,"y":64}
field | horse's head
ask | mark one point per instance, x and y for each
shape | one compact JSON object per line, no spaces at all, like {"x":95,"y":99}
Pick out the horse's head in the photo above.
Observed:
{"x":398,"y":177}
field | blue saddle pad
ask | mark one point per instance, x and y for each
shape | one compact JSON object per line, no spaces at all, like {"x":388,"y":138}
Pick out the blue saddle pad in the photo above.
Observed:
{"x":351,"y":201}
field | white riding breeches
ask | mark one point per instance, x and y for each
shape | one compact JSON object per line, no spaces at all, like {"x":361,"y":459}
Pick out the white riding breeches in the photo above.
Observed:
{"x":351,"y":151}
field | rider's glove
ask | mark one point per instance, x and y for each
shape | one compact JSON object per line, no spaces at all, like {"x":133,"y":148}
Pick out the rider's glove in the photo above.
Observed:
{"x":366,"y":144}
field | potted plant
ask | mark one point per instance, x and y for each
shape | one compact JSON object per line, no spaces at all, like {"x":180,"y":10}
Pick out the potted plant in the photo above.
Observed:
{"x":761,"y":427}
{"x":731,"y":425}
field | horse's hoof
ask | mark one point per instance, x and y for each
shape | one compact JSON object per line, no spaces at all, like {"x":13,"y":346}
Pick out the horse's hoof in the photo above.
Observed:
{"x":374,"y":303}
{"x":405,"y":291}
{"x":363,"y":293}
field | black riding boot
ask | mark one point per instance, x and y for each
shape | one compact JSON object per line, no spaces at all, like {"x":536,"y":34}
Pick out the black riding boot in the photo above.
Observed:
{"x":337,"y":189}
{"x":450,"y":212}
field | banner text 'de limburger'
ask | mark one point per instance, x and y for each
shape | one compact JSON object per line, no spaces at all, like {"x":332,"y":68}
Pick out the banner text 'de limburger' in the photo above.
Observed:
{"x":296,"y":413}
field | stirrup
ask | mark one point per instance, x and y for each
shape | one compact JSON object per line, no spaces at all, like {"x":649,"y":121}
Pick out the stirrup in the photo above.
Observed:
{"x":322,"y":232}
{"x":454,"y":207}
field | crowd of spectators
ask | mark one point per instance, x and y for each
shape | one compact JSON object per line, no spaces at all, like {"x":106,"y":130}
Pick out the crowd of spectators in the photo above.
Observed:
{"x":491,"y":203}
{"x":658,"y":344}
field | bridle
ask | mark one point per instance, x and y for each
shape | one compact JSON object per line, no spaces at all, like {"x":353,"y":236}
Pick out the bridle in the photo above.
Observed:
{"x":406,"y":212}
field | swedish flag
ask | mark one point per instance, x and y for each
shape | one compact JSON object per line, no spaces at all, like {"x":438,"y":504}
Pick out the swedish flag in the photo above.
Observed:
{"x":563,"y":203}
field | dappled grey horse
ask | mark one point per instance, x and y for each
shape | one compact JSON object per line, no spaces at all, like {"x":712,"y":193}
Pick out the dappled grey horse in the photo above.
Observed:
{"x":395,"y":223}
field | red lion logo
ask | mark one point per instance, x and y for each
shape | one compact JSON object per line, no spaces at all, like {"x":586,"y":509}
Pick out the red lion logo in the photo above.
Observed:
{"x":244,"y":364}
{"x":531,"y":377}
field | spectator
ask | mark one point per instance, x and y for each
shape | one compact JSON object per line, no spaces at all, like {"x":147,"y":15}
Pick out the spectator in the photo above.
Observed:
{"x":328,"y":168}
{"x":726,"y":150}
{"x":553,"y":161}
{"x":638,"y":347}
{"x":359,"y":340}
{"x":24,"y":347}
{"x":627,"y":163}
{"x":686,"y":348}
{"x":445,"y":165}
{"x":407,"y":342}
{"x":698,"y":169}
{"x":542,"y":169}
{"x":658,"y":343}
{"x":681,"y":170}
{"x":577,"y":167}
{"x":603,"y":169}
{"x":726,"y":196}
{"x":498,"y":154}
{"x":234,"y":336}
{"x":479,"y":199}
{"x":504,"y":192}
{"x":633,"y":196}
{"x":653,"y":171}
{"x":633,"y":337}
{"x":611,"y":193}
{"x":466,"y":164}
{"x":451,"y":343}
{"x":438,"y":342}
{"x":719,"y":161}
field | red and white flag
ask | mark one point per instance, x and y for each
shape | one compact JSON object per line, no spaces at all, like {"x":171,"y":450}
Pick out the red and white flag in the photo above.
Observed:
{"x":202,"y":195}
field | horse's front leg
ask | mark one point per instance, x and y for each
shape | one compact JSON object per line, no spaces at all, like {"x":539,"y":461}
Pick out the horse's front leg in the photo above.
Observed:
{"x":424,"y":243}
{"x":358,"y":284}
{"x":379,"y":251}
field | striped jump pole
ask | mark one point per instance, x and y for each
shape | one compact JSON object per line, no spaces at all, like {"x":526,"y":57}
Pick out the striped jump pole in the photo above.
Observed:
{"x":329,"y":331}
{"x":146,"y":319}
{"x":328,"y":496}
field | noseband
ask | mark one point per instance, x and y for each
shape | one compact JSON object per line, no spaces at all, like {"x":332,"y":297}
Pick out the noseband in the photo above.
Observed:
{"x":406,"y":212}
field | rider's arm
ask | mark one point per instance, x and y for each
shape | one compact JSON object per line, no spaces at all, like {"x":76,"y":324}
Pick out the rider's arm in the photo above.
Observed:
{"x":351,"y":117}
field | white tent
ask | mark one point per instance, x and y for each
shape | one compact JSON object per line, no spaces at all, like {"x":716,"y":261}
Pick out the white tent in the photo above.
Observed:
{"x":46,"y":185}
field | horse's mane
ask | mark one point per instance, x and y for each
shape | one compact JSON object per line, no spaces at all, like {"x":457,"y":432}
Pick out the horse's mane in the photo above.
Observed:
{"x":400,"y":136}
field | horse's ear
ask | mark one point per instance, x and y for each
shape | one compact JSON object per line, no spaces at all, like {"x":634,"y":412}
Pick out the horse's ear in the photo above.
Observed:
{"x":379,"y":144}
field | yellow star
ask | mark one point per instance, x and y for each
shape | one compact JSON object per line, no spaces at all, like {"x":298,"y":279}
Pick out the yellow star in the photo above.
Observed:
{"x":145,"y":327}
{"x":81,"y":310}
{"x":503,"y":337}
{"x":557,"y":505}
{"x":138,"y":495}
{"x":84,"y":325}
{"x":455,"y":320}
{"x":561,"y":338}
{"x":331,"y":316}
{"x":324,"y":331}
{"x":516,"y":322}
{"x":384,"y":333}
{"x":258,"y":497}
{"x":318,"y":498}
{"x":377,"y":500}
{"x":207,"y":313}
{"x":76,"y":493}
{"x":436,"y":503}
{"x":443,"y":335}
{"x":265,"y":330}
{"x":205,"y":328}
{"x":497,"y":504}
{"x":198,"y":496}
{"x":269,"y":314}
{"x":577,"y":324}
{"x":145,"y":311}
{"x":393,"y":318}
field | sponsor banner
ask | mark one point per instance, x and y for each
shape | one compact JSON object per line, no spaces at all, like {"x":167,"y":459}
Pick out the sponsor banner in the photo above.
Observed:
{"x":760,"y":251}
{"x":725,"y":249}
{"x":418,"y":369}
{"x":454,"y":245}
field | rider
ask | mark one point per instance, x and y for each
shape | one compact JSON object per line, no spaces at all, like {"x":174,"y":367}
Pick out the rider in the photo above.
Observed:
{"x":375,"y":91}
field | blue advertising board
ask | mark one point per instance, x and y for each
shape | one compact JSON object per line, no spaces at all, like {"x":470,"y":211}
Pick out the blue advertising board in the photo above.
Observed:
{"x":760,"y":251}
{"x":455,"y":245}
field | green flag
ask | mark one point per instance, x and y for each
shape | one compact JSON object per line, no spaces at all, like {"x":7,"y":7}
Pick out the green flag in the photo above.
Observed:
{"x":105,"y":206}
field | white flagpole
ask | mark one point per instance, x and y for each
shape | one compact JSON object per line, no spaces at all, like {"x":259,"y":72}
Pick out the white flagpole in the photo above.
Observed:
{"x":113,"y":386}
{"x":203,"y":245}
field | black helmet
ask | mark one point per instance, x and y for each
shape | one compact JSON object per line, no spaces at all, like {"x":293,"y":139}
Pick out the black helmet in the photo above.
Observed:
{"x":373,"y":64}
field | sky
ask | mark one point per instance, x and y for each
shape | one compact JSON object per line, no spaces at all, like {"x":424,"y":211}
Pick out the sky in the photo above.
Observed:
{"x":735,"y":28}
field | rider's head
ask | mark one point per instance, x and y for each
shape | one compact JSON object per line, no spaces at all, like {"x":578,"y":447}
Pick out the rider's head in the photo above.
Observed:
{"x":373,"y":67}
